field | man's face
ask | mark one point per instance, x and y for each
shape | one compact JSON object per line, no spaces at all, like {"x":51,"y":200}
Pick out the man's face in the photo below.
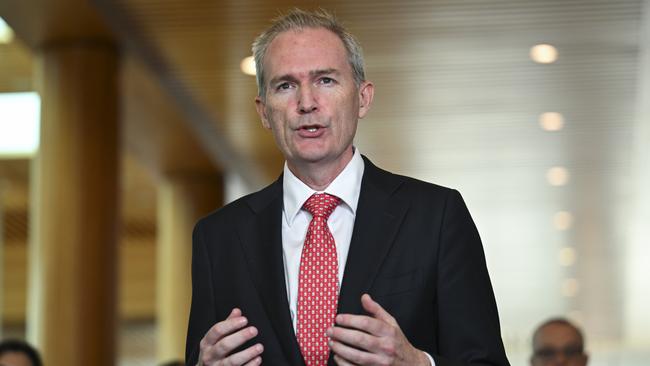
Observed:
{"x":312,"y":103}
{"x":558,"y":345}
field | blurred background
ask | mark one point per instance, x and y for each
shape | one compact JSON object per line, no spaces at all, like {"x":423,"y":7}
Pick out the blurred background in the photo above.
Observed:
{"x":123,"y":121}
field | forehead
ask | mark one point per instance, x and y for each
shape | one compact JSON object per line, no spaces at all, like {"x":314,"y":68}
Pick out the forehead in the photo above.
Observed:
{"x":304,"y":50}
{"x":15,"y":358}
{"x":556,"y":335}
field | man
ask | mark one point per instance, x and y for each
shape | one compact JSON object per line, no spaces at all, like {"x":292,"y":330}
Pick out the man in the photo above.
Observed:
{"x":338,"y":261}
{"x":15,"y":352}
{"x":557,"y":342}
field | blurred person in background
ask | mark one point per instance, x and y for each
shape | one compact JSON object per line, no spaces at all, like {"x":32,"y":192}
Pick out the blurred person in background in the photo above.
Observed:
{"x":557,"y":342}
{"x":15,"y":352}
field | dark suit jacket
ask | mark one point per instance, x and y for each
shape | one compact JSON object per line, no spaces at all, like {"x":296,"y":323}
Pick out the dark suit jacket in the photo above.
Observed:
{"x":414,"y":248}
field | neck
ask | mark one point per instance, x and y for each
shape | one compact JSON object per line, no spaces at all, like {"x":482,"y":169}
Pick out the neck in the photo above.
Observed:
{"x":319,"y":175}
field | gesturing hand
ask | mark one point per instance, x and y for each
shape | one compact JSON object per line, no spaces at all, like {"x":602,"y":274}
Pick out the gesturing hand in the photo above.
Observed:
{"x":372,"y":340}
{"x":224,"y":337}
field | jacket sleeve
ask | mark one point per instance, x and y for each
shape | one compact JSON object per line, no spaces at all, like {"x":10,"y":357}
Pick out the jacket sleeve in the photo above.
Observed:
{"x":468,"y":329}
{"x":202,"y":313}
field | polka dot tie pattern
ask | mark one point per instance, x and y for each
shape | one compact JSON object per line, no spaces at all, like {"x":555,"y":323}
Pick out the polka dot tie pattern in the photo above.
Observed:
{"x":317,"y":281}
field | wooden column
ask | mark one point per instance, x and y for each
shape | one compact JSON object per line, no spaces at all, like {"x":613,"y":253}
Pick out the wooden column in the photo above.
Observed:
{"x":182,"y":200}
{"x":72,"y":301}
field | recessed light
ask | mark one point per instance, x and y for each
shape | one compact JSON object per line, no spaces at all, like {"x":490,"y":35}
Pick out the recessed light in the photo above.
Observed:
{"x":6,"y":33}
{"x":543,"y":53}
{"x":567,"y":256}
{"x":247,"y":65}
{"x":551,"y":121}
{"x":557,"y":176}
{"x":570,"y":287}
{"x":562,"y":220}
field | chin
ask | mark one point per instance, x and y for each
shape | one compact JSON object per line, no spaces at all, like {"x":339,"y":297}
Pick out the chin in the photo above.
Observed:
{"x":312,"y":154}
{"x":312,"y":158}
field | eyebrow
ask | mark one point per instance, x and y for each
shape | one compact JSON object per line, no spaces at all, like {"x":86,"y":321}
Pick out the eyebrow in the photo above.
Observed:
{"x":313,"y":73}
{"x":323,"y":72}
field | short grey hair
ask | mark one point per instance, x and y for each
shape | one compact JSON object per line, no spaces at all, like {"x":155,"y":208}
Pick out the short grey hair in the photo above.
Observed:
{"x":298,"y":19}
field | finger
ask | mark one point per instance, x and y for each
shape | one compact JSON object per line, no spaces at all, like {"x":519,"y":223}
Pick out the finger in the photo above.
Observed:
{"x":341,"y":362}
{"x":233,"y":323}
{"x":374,"y":309}
{"x":224,"y":347}
{"x":350,"y":355}
{"x":254,"y":362}
{"x":249,"y":356}
{"x":235,"y":312}
{"x":354,"y":338}
{"x":362,"y":322}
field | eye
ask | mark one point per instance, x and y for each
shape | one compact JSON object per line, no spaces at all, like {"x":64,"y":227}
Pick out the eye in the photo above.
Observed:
{"x":327,"y":80}
{"x":546,"y":353}
{"x":283,"y":86}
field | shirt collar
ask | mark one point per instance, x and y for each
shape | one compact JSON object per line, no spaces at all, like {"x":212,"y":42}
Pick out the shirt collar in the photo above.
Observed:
{"x":346,"y":186}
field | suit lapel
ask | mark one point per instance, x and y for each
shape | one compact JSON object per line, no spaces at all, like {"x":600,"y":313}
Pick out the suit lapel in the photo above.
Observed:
{"x":262,"y":242}
{"x":379,"y":215}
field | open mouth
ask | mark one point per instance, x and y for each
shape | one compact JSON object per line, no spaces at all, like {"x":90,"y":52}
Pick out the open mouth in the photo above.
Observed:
{"x":311,"y":131}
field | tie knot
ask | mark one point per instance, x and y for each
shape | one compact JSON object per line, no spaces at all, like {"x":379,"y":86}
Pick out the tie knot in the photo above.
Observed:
{"x":321,"y":205}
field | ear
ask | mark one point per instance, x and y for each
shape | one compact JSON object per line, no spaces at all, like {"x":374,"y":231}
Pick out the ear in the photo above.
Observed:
{"x":366,"y":93}
{"x":261,"y":110}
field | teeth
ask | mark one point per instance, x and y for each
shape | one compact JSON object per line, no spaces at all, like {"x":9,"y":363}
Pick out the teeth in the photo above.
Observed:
{"x":312,"y":129}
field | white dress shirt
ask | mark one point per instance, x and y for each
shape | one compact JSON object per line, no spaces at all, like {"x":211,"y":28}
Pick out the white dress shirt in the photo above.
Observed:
{"x":295,"y":220}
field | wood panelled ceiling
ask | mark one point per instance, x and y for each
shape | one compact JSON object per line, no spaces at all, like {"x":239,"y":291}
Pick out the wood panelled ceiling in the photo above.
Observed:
{"x":457,"y":103}
{"x":433,"y":62}
{"x":42,"y":22}
{"x":155,"y":138}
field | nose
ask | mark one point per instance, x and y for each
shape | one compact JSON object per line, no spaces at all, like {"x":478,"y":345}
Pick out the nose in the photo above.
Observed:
{"x":306,"y":101}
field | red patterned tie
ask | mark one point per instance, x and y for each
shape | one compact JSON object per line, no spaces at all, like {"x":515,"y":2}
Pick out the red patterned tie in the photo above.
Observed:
{"x":317,"y":282}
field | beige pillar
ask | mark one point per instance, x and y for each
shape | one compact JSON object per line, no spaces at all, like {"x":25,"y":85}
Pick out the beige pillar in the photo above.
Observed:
{"x":636,"y":302}
{"x":72,"y":299}
{"x":182,"y":200}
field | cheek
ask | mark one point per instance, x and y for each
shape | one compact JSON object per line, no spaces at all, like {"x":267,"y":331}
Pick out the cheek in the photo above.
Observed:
{"x":281,"y":132}
{"x":349,"y":123}
{"x":275,"y":119}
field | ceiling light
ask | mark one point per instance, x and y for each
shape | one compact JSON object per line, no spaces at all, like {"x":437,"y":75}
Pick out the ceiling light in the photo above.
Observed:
{"x":567,"y":256}
{"x":543,"y":53}
{"x":6,"y":34}
{"x":570,"y":287}
{"x":562,"y":220}
{"x":20,"y":124}
{"x":551,"y":121}
{"x":247,"y":65}
{"x":557,"y":176}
